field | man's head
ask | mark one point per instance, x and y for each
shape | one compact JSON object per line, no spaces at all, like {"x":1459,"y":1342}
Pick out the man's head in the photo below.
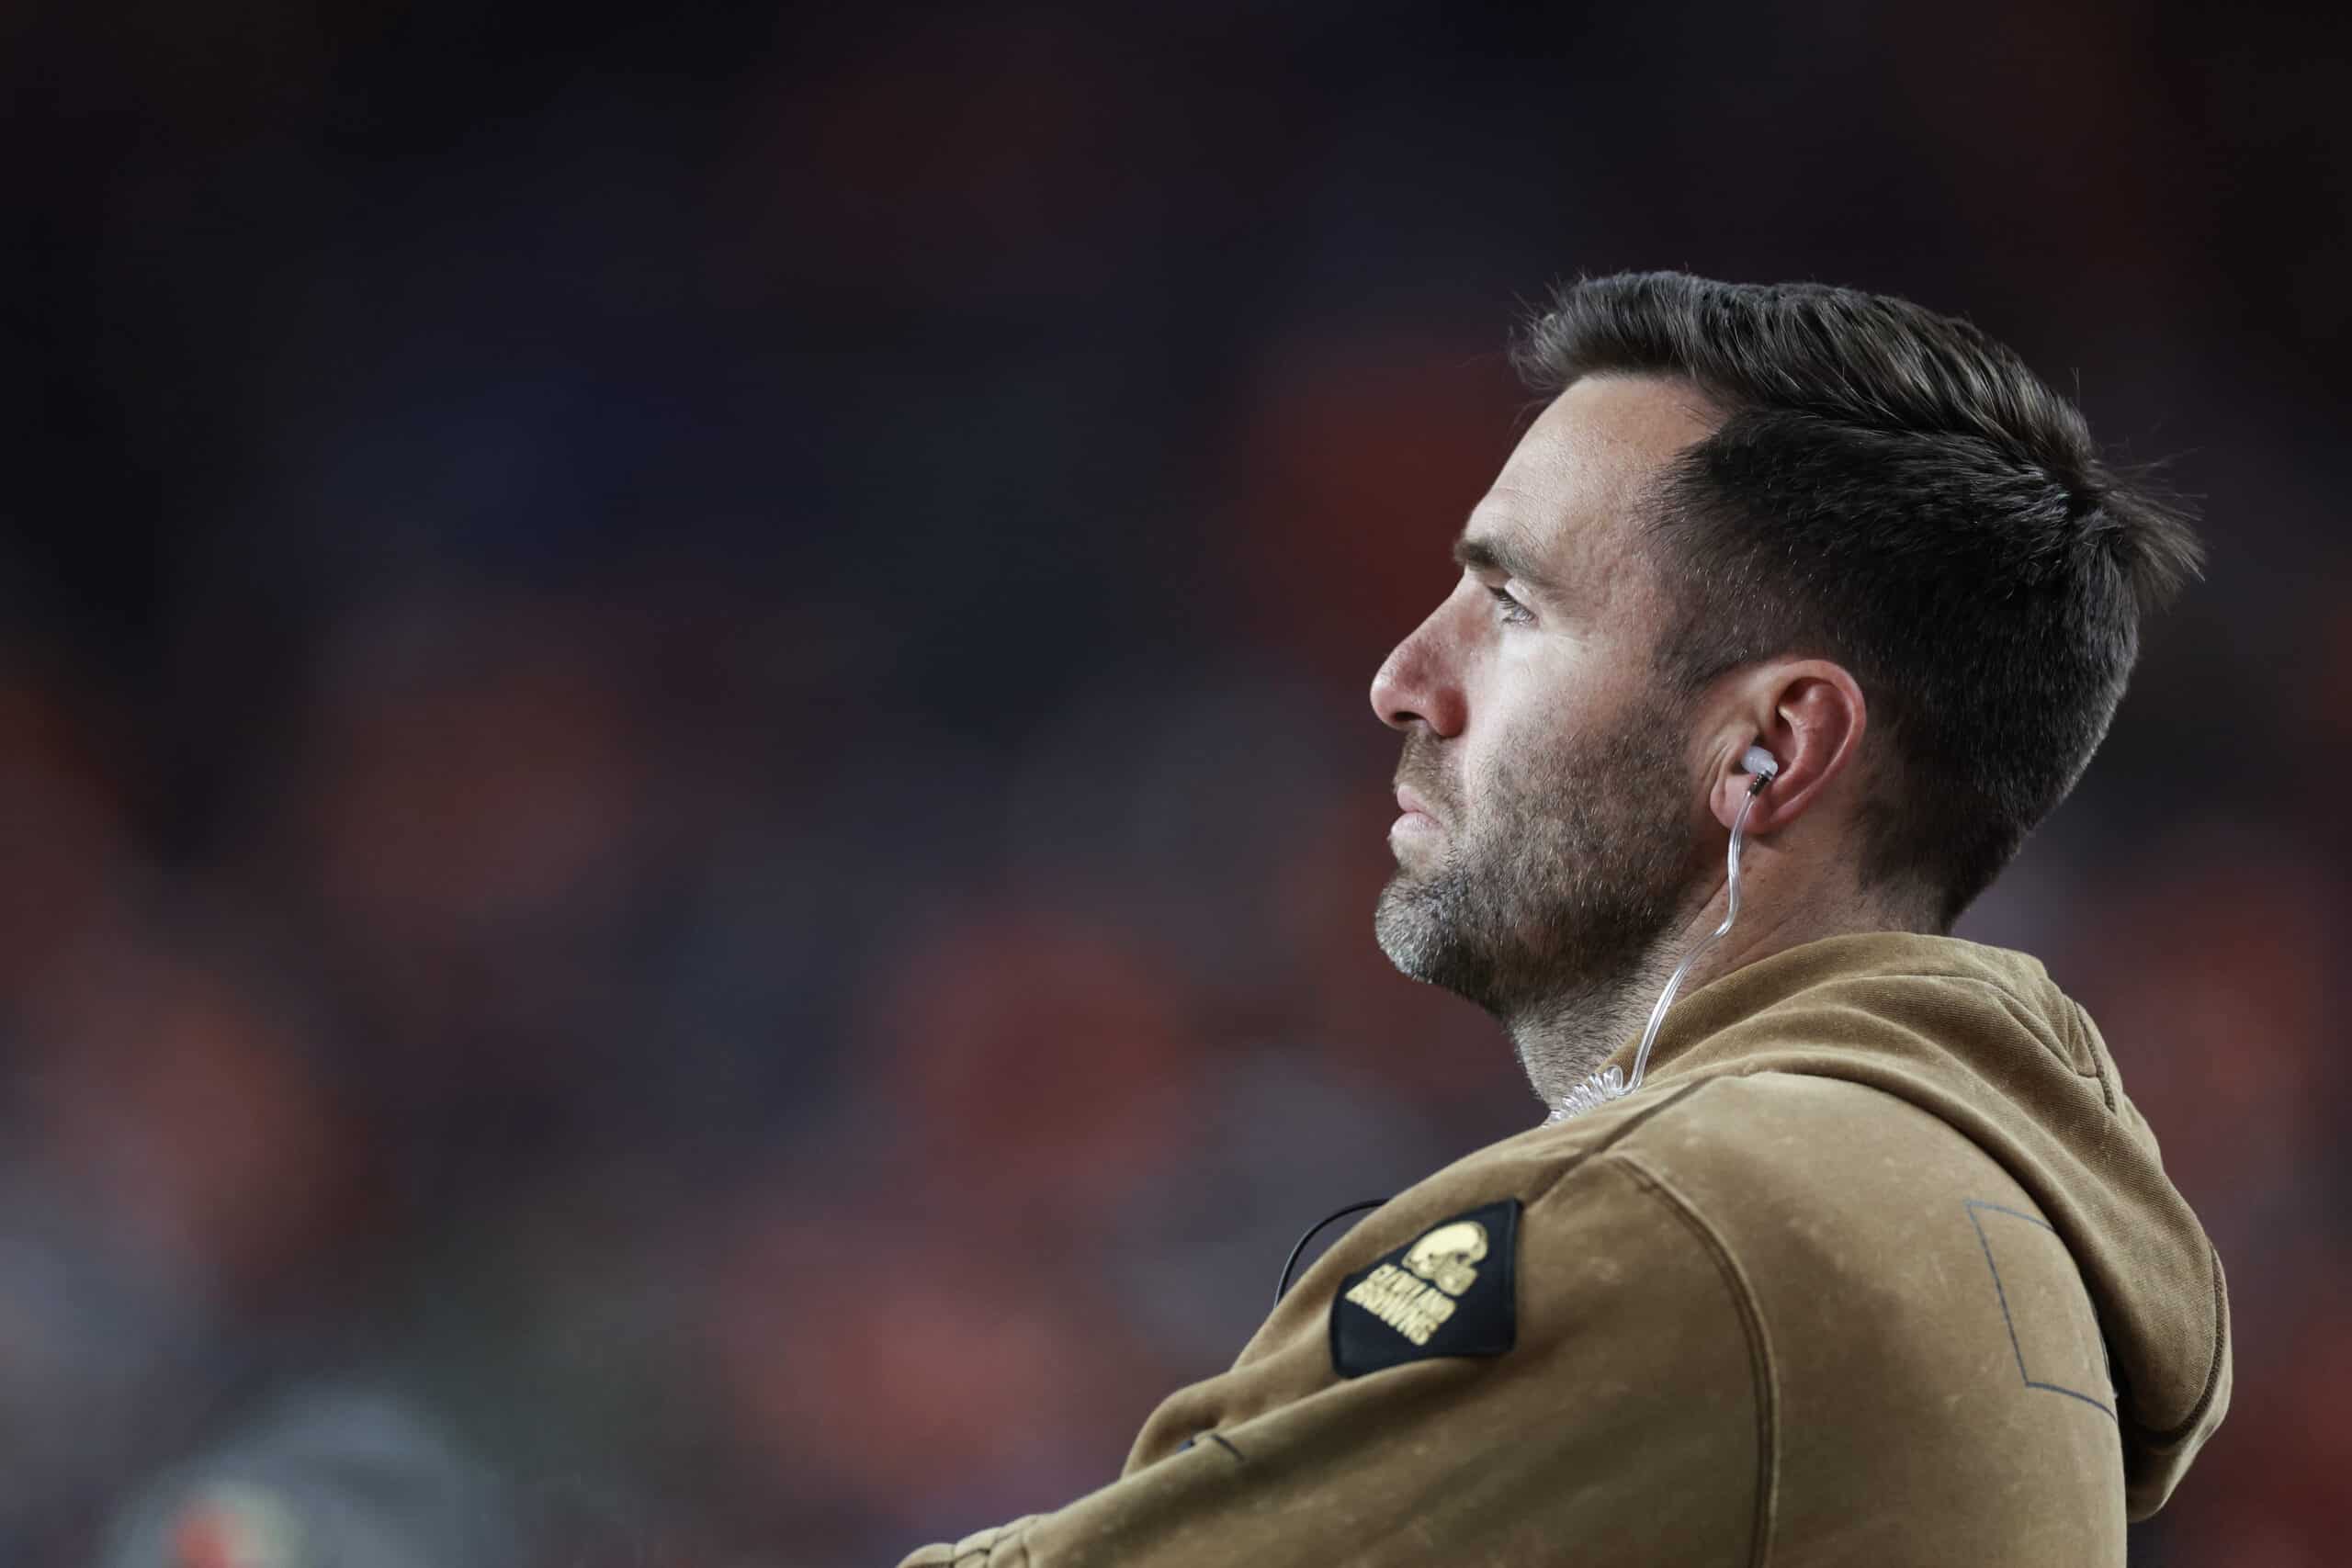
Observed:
{"x":1834,"y":523}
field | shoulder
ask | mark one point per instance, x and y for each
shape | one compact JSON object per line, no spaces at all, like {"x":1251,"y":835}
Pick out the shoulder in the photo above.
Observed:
{"x":1751,"y":1139}
{"x":1903,"y":1296}
{"x":1874,"y":1245}
{"x":1817,"y":1170}
{"x":1766,"y":1133}
{"x":1745,"y":1147}
{"x":1807,"y":1189}
{"x":1790,"y":1181}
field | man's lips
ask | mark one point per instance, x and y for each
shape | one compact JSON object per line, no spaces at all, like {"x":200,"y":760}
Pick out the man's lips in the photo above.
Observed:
{"x":1410,"y":801}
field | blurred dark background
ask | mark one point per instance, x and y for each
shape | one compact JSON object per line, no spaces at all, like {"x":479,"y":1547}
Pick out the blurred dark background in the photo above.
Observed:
{"x":688,"y":817}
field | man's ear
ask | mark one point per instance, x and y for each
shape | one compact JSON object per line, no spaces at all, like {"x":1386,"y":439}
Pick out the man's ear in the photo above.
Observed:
{"x":1810,"y":715}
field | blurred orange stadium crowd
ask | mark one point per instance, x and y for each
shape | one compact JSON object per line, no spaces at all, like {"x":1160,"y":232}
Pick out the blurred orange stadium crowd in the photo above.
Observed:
{"x":689,"y":820}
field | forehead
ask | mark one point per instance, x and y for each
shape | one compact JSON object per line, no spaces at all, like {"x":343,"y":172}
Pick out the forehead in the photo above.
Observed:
{"x":1570,"y":492}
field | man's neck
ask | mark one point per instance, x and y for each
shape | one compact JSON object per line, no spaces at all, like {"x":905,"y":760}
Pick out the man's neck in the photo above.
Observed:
{"x":1575,"y":1035}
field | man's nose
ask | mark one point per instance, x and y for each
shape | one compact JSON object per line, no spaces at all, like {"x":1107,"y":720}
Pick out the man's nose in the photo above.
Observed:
{"x":1415,"y":683}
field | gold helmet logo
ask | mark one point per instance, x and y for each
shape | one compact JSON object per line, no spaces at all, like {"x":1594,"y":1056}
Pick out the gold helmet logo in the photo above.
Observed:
{"x":1445,"y":1256}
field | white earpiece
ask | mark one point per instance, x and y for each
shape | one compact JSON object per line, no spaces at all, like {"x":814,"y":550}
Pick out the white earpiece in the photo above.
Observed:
{"x":1760,"y":762}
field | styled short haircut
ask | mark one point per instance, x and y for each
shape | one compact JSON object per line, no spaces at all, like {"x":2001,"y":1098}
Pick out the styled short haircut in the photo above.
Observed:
{"x":1893,"y":490}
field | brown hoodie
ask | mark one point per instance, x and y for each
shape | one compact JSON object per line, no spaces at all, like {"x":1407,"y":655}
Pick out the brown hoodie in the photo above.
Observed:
{"x":1878,"y":1266}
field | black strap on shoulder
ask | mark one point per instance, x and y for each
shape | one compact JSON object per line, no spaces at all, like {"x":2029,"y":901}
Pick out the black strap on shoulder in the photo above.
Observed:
{"x":1284,"y":1283}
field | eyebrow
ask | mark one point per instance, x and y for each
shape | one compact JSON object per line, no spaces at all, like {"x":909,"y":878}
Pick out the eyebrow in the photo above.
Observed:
{"x":1501,"y":552}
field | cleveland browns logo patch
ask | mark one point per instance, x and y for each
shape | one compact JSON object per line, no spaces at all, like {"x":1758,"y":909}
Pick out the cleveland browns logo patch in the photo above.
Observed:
{"x":1450,"y":1292}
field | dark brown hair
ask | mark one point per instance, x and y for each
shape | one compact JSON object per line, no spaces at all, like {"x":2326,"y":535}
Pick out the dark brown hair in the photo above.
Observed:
{"x":1894,"y":490}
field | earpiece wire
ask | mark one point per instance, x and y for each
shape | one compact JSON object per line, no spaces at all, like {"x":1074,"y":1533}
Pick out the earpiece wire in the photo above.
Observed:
{"x":1731,"y":913}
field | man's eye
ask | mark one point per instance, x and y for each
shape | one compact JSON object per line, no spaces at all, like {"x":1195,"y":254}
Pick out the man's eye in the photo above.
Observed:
{"x":1517,"y":613}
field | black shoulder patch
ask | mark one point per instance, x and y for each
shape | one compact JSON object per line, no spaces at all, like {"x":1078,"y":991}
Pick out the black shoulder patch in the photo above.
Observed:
{"x":1450,"y":1291}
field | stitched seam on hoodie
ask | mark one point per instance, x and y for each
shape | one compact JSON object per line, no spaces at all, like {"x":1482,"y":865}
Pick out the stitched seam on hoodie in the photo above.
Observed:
{"x":2196,"y":1415}
{"x":1576,"y":1161}
{"x":999,"y":1544}
{"x":1759,"y":1350}
{"x":2099,"y":1057}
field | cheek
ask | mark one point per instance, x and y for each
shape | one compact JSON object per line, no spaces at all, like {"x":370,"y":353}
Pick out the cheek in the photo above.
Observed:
{"x":1542,"y":703}
{"x":1541,"y":729}
{"x":1520,"y":733}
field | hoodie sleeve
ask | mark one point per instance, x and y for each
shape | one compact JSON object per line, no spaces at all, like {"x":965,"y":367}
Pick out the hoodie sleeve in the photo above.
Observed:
{"x":1625,"y":1415}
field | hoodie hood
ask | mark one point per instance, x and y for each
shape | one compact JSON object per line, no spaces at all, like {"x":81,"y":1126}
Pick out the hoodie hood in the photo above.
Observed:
{"x":1982,"y":1039}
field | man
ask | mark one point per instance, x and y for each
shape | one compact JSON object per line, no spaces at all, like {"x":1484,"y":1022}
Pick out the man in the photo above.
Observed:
{"x":1876,"y":1263}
